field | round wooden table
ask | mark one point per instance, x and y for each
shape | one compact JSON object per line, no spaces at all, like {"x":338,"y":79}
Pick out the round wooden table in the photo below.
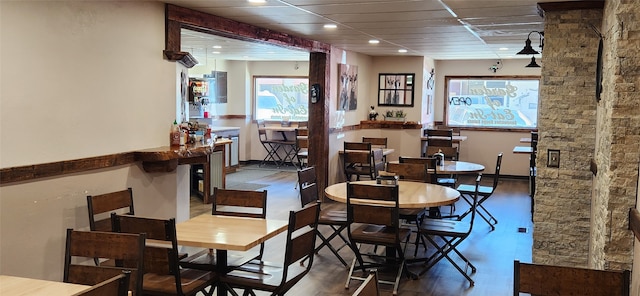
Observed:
{"x":412,"y":195}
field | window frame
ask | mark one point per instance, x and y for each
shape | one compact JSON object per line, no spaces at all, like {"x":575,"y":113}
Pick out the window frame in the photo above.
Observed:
{"x":446,"y":109}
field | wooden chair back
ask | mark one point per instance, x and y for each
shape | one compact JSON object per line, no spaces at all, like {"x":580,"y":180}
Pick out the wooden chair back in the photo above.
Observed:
{"x":307,"y":181}
{"x":439,"y":137}
{"x":241,"y":203}
{"x":450,"y":153}
{"x":370,"y":285}
{"x":546,"y":280}
{"x":307,"y":176}
{"x":115,"y":286}
{"x":102,"y":205}
{"x":410,"y":171}
{"x":376,"y":142}
{"x":373,"y":204}
{"x":302,"y":140}
{"x":161,"y":258}
{"x":300,"y":242}
{"x":429,"y":162}
{"x":124,"y":249}
{"x":496,"y":174}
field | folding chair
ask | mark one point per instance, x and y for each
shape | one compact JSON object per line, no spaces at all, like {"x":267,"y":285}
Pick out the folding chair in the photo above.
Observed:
{"x":467,"y":190}
{"x":370,"y":285}
{"x":439,"y":137}
{"x":271,"y":146}
{"x":101,"y":206}
{"x":446,"y":236}
{"x":417,"y":172}
{"x":373,"y":223}
{"x":433,"y":178}
{"x":230,"y":202}
{"x":162,"y":274}
{"x":302,"y":147}
{"x":115,"y":286}
{"x":126,"y":250}
{"x":335,"y":219}
{"x":359,"y":159}
{"x":279,"y":278}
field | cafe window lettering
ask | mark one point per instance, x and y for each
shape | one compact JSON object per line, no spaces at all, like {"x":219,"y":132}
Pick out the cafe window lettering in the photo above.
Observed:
{"x":492,"y":102}
{"x":281,"y":98}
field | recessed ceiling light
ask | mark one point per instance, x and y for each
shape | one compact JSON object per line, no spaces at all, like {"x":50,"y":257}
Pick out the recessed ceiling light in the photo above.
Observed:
{"x":504,"y":48}
{"x":217,"y":46}
{"x":402,"y":50}
{"x":330,"y":26}
{"x":374,"y":41}
{"x":257,"y":1}
{"x":216,"y":52}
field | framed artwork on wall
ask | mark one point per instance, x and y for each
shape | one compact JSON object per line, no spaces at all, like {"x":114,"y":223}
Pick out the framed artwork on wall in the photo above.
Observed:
{"x":396,"y":89}
{"x":348,"y":88}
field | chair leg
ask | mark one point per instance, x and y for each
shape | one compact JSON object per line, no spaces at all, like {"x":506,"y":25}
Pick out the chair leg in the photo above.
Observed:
{"x":326,"y":242}
{"x":444,"y":251}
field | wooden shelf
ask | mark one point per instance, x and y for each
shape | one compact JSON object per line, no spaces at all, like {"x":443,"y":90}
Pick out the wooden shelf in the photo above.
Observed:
{"x":384,"y":124}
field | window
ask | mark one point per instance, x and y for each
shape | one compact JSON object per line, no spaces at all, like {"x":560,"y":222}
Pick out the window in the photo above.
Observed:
{"x":492,"y":102}
{"x":276,"y":98}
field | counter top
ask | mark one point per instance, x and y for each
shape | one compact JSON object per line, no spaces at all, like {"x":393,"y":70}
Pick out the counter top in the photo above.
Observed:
{"x":167,"y":158}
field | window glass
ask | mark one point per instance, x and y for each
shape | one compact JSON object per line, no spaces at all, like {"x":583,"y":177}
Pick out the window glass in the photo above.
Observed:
{"x":276,"y":98}
{"x":492,"y":102}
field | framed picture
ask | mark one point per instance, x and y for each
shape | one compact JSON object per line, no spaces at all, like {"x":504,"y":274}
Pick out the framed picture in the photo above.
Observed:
{"x":553,"y":158}
{"x":348,"y":88}
{"x":396,"y":89}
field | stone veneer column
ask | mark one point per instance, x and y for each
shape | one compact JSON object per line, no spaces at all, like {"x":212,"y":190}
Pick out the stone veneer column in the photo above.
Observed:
{"x":618,"y":141}
{"x":567,"y":122}
{"x":581,"y":219}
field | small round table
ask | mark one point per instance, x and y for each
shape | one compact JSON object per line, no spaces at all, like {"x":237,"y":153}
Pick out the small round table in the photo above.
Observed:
{"x":459,"y":167}
{"x":412,"y":195}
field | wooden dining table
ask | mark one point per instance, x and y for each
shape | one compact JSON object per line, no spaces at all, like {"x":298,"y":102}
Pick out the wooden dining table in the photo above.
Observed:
{"x":227,"y":233}
{"x":18,"y":286}
{"x":411,"y":195}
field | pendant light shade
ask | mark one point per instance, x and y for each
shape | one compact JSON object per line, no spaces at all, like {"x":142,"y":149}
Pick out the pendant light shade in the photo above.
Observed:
{"x":533,"y":63}
{"x":527,"y":48}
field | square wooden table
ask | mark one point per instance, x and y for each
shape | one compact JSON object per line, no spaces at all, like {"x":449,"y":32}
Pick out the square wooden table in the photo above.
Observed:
{"x":227,"y":233}
{"x":17,"y":286}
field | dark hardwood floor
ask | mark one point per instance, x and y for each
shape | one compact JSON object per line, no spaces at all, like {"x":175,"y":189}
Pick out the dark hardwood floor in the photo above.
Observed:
{"x":492,"y":252}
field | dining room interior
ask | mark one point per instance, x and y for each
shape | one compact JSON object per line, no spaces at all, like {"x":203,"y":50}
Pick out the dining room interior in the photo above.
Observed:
{"x":563,"y":191}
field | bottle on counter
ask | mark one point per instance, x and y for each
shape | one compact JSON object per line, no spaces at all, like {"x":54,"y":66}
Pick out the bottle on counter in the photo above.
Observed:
{"x":174,"y":135}
{"x":439,"y":157}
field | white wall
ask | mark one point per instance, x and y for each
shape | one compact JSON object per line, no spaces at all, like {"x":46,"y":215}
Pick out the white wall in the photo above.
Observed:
{"x":80,"y":79}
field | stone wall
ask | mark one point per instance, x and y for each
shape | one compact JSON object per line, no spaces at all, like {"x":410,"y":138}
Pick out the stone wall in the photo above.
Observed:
{"x":581,"y":219}
{"x":567,"y":122}
{"x":618,"y":140}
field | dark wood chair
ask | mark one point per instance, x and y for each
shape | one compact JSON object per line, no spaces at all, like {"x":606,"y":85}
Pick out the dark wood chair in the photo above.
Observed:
{"x":370,"y":285}
{"x":302,"y":147}
{"x":279,"y":278}
{"x":115,"y":286}
{"x":434,"y":178}
{"x":126,"y":250}
{"x":446,"y":236}
{"x":439,"y":137}
{"x":335,"y":219}
{"x":162,"y":274}
{"x":467,"y":190}
{"x":450,"y":153}
{"x":101,"y":206}
{"x":548,"y":280}
{"x":230,"y":202}
{"x":416,"y":172}
{"x":373,"y":223}
{"x":360,"y":160}
{"x":375,"y":142}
